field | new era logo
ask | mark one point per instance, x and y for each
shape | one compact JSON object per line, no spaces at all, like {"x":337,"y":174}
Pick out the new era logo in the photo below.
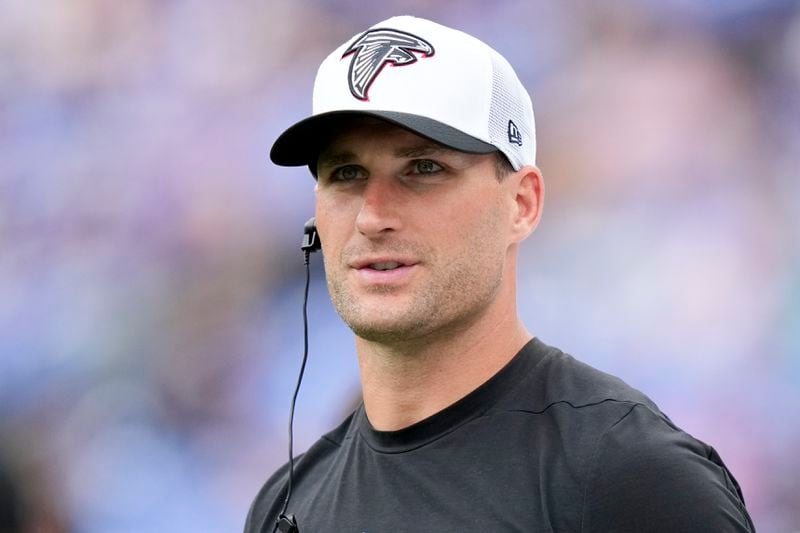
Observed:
{"x":514,"y":135}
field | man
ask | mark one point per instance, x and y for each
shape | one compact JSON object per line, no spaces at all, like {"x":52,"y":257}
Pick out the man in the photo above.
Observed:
{"x":422,"y":143}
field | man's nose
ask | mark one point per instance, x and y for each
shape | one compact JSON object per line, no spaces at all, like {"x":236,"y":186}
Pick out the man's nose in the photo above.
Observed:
{"x":379,"y":211}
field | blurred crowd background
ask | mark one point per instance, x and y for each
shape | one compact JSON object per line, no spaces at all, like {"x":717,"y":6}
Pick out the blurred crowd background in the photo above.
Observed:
{"x":151,"y":281}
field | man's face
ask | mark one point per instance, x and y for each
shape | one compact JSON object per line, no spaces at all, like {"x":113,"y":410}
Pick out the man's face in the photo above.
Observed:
{"x":415,"y":235}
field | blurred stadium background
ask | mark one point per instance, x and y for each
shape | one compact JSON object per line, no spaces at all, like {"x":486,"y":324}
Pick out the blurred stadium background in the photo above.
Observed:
{"x":150,"y":278}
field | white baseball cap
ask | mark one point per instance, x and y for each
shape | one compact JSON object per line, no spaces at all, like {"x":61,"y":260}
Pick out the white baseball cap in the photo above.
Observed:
{"x":437,"y":82}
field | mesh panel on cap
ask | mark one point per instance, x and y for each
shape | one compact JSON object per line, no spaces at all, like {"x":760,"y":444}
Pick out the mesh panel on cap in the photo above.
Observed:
{"x":507,"y":104}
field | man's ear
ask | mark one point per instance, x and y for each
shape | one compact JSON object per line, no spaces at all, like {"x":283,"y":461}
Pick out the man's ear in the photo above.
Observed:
{"x":528,"y":192}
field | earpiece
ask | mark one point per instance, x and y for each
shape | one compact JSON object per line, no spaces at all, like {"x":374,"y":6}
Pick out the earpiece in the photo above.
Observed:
{"x":311,"y":242}
{"x":287,"y":523}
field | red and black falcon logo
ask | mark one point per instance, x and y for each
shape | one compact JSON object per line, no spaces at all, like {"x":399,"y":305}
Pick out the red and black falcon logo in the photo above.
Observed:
{"x":377,"y":47}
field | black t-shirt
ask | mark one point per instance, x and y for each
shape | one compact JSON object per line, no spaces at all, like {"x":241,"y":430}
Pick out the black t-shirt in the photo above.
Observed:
{"x":547,"y":444}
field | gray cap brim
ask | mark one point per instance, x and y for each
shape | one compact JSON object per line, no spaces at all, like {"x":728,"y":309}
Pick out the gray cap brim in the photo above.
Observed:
{"x":301,"y":144}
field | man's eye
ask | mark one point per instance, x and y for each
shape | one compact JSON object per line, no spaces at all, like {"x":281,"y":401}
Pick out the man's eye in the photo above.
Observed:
{"x":348,"y":173}
{"x":426,"y":166}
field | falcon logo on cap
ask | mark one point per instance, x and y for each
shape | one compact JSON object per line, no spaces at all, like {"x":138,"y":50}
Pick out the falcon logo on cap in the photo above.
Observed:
{"x":377,"y":47}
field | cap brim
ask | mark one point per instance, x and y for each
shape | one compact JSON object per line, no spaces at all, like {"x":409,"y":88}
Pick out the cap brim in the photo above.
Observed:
{"x":300,"y":144}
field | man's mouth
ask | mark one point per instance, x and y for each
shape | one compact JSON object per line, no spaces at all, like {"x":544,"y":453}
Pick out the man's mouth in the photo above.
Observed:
{"x":381,"y":263}
{"x":387,"y":265}
{"x":383,"y":270}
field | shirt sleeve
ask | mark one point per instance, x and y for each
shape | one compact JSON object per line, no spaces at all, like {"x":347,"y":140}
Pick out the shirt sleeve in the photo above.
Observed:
{"x":649,"y":476}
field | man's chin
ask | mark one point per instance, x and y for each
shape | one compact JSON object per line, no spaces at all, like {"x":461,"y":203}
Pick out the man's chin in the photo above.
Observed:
{"x":387,"y":332}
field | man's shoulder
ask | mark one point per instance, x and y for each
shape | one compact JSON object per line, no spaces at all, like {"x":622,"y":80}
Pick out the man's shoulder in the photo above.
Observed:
{"x":554,"y":377}
{"x":646,"y":470}
{"x":632,"y":458}
{"x":566,"y":407}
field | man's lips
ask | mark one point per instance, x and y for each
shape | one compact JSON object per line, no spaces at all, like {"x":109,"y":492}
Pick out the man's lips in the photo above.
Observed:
{"x":381,"y":263}
{"x":384,"y":269}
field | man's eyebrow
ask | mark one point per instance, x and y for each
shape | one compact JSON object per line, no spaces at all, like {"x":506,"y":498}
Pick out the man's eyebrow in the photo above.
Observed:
{"x":342,"y":157}
{"x":419,"y":150}
{"x":332,"y":159}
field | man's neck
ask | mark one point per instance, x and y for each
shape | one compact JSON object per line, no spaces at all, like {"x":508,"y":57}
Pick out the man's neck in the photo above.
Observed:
{"x":403,"y":384}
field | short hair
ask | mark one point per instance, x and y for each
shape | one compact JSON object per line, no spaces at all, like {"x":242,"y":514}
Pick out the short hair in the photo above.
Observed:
{"x":502,"y":166}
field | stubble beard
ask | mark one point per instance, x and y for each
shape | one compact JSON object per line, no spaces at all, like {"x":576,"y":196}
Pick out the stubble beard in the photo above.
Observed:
{"x":454,"y":292}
